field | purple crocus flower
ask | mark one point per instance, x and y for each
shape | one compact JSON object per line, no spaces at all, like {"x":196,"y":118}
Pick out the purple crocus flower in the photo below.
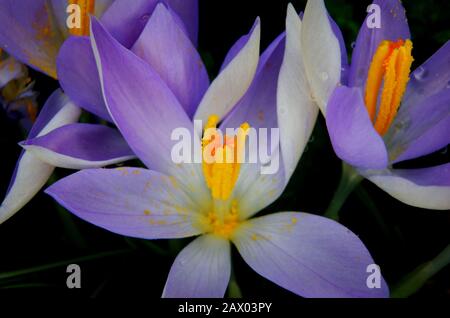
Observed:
{"x":309,"y":255}
{"x":382,"y":116}
{"x":35,"y":32}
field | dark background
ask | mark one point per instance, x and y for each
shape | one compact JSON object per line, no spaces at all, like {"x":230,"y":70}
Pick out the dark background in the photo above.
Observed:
{"x":399,"y":237}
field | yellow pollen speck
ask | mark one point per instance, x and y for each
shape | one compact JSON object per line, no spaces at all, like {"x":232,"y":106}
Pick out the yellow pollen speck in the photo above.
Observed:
{"x":294,"y":220}
{"x":136,"y":172}
{"x":390,"y":68}
{"x":147,"y":212}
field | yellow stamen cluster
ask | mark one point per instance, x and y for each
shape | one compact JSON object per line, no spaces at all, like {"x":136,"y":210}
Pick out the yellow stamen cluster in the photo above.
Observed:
{"x":225,"y":225}
{"x":87,"y":8}
{"x":390,"y":68}
{"x":222,"y":160}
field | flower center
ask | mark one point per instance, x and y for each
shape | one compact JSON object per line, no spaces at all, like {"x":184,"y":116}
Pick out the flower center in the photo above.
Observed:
{"x":222,"y":224}
{"x":222,"y":158}
{"x":387,"y":80}
{"x":87,"y":7}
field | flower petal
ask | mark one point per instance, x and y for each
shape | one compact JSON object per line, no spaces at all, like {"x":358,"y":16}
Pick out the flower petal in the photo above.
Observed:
{"x":422,"y":131}
{"x":141,"y":104}
{"x":80,"y":146}
{"x":309,"y":255}
{"x":297,"y":113}
{"x":321,"y":52}
{"x":78,"y":76}
{"x":394,"y":26}
{"x":187,"y":10}
{"x":128,"y":201}
{"x":345,"y":68}
{"x":31,"y":174}
{"x":234,"y":80}
{"x":427,"y":188}
{"x":201,"y":270}
{"x":28,"y":32}
{"x":168,"y":50}
{"x":352,"y":134}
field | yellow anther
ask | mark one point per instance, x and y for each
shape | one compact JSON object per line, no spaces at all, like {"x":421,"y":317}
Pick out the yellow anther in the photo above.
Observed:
{"x":226,"y":155}
{"x":390,"y":67}
{"x":87,"y":8}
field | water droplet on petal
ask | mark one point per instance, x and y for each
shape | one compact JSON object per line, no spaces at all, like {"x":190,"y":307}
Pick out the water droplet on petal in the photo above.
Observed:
{"x":420,"y":73}
{"x":145,"y":18}
{"x":324,"y":76}
{"x":448,"y":85}
{"x":353,"y":45}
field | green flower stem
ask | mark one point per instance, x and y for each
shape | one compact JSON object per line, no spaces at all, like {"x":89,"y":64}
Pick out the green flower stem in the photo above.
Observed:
{"x":234,"y":291}
{"x":41,"y":268}
{"x":349,"y":180}
{"x":418,"y":277}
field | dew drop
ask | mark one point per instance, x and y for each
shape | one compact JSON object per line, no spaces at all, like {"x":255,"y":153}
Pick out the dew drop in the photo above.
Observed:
{"x":448,"y":85}
{"x":324,"y":76}
{"x":145,"y":18}
{"x":353,"y":45}
{"x":420,"y":73}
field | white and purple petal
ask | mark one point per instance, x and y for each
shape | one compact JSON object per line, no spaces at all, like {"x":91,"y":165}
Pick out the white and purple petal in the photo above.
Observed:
{"x":201,"y":270}
{"x":129,"y":201}
{"x":80,"y":146}
{"x":309,"y":255}
{"x":31,"y":174}
{"x":427,"y":188}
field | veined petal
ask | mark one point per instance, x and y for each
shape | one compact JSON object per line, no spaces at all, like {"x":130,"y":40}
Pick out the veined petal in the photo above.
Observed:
{"x":143,"y":108}
{"x":321,"y":52}
{"x":234,"y":80}
{"x":168,"y":50}
{"x":345,"y":68}
{"x":352,"y":134}
{"x":78,"y":76}
{"x":309,"y":255}
{"x":128,"y":201}
{"x":29,"y":32}
{"x":297,"y":113}
{"x":80,"y":146}
{"x":394,"y":26}
{"x":423,"y":130}
{"x":427,"y":188}
{"x":31,"y":174}
{"x":201,"y":270}
{"x":187,"y":10}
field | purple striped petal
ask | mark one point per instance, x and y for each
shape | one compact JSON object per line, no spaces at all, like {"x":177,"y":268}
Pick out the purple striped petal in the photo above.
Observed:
{"x":352,"y":134}
{"x":168,"y":50}
{"x":309,"y":255}
{"x":78,"y":76}
{"x":201,"y":270}
{"x":394,"y":26}
{"x":425,"y":129}
{"x":128,"y":201}
{"x":427,"y":188}
{"x":31,"y":174}
{"x":80,"y":146}
{"x":27,"y":33}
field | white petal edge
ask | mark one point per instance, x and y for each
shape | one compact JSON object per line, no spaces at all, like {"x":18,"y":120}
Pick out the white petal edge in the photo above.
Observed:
{"x":297,"y":112}
{"x":232,"y":83}
{"x":321,"y":52}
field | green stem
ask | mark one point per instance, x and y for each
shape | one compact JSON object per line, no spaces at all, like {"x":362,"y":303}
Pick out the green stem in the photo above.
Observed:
{"x":45,"y":267}
{"x":418,"y":277}
{"x":234,"y":291}
{"x":349,"y":180}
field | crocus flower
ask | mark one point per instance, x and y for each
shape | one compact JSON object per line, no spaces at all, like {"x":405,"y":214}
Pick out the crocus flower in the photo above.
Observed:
{"x":383,"y":115}
{"x":377,"y":114}
{"x":35,"y":37}
{"x":306,"y":254}
{"x":34,"y":30}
